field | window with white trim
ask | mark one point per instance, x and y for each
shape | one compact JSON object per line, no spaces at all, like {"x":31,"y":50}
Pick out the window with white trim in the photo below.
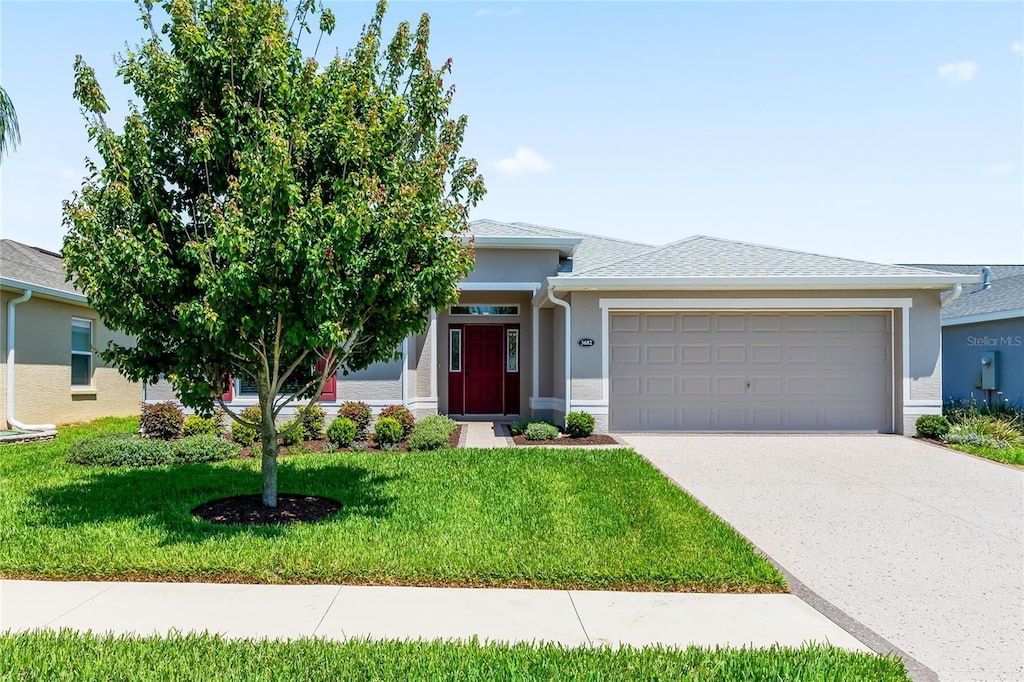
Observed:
{"x":81,"y":352}
{"x":512,"y":350}
{"x":455,"y":350}
{"x":463,"y":310}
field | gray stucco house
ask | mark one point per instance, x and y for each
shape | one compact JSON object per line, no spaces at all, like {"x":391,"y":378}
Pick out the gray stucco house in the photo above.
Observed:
{"x":983,"y":337}
{"x":703,"y":334}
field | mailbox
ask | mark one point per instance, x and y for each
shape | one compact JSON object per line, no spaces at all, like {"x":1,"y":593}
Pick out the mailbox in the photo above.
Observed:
{"x":989,"y":366}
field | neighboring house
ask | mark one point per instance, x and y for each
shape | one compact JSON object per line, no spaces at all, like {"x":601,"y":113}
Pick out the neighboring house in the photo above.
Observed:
{"x":983,"y":337}
{"x":703,"y":334}
{"x":50,"y":337}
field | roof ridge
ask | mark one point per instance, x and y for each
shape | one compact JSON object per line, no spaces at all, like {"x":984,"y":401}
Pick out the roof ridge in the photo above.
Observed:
{"x":809,"y":253}
{"x":577,"y":232}
{"x":648,"y":254}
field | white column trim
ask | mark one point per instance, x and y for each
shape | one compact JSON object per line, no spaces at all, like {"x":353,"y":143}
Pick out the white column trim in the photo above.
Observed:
{"x":535,"y":359}
{"x":435,"y":362}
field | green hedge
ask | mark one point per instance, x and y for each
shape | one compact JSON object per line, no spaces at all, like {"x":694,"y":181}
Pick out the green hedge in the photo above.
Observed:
{"x":123,"y":450}
{"x":432,"y":433}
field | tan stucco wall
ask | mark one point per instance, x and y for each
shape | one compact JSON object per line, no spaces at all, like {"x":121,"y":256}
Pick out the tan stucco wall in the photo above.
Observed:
{"x":42,"y":378}
{"x":925,"y":376}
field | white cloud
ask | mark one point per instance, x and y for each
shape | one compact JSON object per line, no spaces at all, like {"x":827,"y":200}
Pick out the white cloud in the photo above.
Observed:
{"x":1018,"y":47}
{"x":523,"y":161}
{"x":999,"y":169}
{"x":491,"y":12}
{"x":958,"y":72}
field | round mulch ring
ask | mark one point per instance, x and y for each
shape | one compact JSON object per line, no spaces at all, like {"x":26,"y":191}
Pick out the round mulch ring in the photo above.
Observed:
{"x":248,"y":510}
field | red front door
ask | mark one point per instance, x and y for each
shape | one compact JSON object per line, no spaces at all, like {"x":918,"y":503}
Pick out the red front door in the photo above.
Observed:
{"x":485,"y":369}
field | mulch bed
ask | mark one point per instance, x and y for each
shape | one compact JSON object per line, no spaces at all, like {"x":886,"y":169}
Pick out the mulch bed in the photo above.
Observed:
{"x":592,"y":439}
{"x":248,"y":510}
{"x":317,"y":446}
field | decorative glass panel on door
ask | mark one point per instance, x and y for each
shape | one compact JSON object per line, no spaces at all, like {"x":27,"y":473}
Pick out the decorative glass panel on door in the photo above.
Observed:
{"x":512,"y":350}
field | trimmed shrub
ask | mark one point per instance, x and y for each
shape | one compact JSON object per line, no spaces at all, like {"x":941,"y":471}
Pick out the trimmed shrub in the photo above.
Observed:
{"x":163,"y":421}
{"x":341,"y":432}
{"x":246,"y":435}
{"x":359,"y":413}
{"x":932,"y":426}
{"x":518,"y":428}
{"x":313,"y":418}
{"x":387,"y":431}
{"x":541,"y":431}
{"x":579,"y":424}
{"x":131,"y":451}
{"x":432,"y":433}
{"x":403,"y":415}
{"x":290,"y":437}
{"x":198,"y":425}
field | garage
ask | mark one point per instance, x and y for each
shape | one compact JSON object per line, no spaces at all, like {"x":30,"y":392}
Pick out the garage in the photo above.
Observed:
{"x":736,"y":370}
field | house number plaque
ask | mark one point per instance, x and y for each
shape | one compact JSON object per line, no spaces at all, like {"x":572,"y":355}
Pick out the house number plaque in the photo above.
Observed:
{"x":586,"y":343}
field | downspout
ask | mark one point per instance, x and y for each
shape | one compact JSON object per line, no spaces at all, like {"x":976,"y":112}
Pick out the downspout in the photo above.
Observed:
{"x":953,"y":296}
{"x":11,"y":421}
{"x":568,"y":343}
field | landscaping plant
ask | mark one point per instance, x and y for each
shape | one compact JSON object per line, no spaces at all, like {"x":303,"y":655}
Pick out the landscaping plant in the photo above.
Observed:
{"x":261,"y":215}
{"x":163,"y":421}
{"x":432,"y":433}
{"x":403,"y":415}
{"x":342,"y":432}
{"x":387,"y":431}
{"x":359,"y":413}
{"x":579,"y":424}
{"x":241,"y":432}
{"x":933,"y":426}
{"x":541,"y":431}
{"x":198,"y":425}
{"x":124,"y":450}
{"x":313,"y":418}
{"x":291,"y":433}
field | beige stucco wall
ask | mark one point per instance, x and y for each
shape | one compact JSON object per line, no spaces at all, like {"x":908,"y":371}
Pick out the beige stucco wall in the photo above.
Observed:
{"x":42,"y":378}
{"x":925,"y":373}
{"x":513,"y":265}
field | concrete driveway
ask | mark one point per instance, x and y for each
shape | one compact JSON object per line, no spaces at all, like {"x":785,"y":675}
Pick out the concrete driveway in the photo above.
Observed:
{"x":922,"y":545}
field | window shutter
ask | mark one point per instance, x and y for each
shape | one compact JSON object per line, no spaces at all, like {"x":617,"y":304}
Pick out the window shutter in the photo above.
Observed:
{"x":330,"y":392}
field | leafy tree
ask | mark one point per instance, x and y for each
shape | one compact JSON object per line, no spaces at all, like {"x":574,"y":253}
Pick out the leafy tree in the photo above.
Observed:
{"x":10,"y":134}
{"x":260,"y":213}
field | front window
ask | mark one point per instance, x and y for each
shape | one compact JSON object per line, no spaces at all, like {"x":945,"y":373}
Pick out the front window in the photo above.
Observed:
{"x":81,"y":352}
{"x":512,"y":350}
{"x":455,"y":348}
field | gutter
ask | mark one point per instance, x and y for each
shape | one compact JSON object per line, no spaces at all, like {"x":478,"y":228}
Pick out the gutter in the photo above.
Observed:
{"x":568,"y":342}
{"x":957,"y":290}
{"x":11,"y":421}
{"x":624,"y":283}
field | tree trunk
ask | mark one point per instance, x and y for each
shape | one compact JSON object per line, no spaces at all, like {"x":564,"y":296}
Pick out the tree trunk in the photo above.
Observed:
{"x":268,"y":441}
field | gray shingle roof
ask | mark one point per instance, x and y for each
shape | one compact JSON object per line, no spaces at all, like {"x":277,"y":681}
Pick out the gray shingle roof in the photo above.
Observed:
{"x":33,"y":265}
{"x":592,"y":252}
{"x":1005,"y":294}
{"x":701,"y":256}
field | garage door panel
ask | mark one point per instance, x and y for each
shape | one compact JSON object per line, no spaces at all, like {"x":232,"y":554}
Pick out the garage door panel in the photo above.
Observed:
{"x":777,"y":371}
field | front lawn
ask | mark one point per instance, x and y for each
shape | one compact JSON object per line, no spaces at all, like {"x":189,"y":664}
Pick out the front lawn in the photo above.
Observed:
{"x":70,"y":656}
{"x":603,"y":519}
{"x":1013,"y":456}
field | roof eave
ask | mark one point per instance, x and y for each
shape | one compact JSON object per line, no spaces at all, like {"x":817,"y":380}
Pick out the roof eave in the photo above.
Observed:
{"x":45,"y":292}
{"x":983,"y":317}
{"x":755,"y":283}
{"x":565,"y":246}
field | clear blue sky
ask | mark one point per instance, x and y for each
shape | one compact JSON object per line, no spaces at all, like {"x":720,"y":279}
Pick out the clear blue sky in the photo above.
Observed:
{"x":890,"y":132}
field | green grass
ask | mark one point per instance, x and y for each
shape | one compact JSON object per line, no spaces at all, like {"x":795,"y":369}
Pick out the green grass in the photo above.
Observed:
{"x":1013,"y":456}
{"x":55,"y":657}
{"x":509,"y":517}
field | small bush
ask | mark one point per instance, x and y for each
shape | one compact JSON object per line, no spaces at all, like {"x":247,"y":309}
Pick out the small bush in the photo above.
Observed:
{"x":541,"y":431}
{"x":432,"y":433}
{"x":341,"y":432}
{"x":387,"y":431}
{"x":131,"y":451}
{"x":313,"y":418}
{"x":932,"y":426}
{"x":246,"y":435}
{"x":163,"y":421}
{"x":986,"y":431}
{"x":403,"y":416}
{"x":359,"y":413}
{"x":579,"y":424}
{"x":198,"y":425}
{"x":518,"y":428}
{"x":358,"y":446}
{"x":290,"y":436}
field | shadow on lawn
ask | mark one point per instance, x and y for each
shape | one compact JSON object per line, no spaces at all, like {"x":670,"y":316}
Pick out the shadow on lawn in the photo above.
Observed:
{"x":163,"y":498}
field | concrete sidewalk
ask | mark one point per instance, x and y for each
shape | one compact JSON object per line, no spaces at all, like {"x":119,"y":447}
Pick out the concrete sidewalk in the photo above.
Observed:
{"x":569,"y":617}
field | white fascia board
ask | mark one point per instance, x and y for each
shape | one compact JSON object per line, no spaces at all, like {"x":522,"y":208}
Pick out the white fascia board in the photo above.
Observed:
{"x":753,"y":283}
{"x":45,"y":291}
{"x":984,"y":317}
{"x":499,"y":286}
{"x":565,"y":246}
{"x":754,"y":303}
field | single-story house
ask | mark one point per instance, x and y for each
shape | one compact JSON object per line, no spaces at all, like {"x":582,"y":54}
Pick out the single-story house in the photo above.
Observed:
{"x":983,"y":337}
{"x":703,"y":334}
{"x":52,"y":373}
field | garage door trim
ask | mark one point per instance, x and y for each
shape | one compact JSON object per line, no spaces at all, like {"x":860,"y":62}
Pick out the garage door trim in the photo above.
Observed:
{"x":608,"y":305}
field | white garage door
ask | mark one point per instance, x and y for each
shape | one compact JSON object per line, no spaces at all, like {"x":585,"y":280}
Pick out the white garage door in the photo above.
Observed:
{"x":750,"y":371}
